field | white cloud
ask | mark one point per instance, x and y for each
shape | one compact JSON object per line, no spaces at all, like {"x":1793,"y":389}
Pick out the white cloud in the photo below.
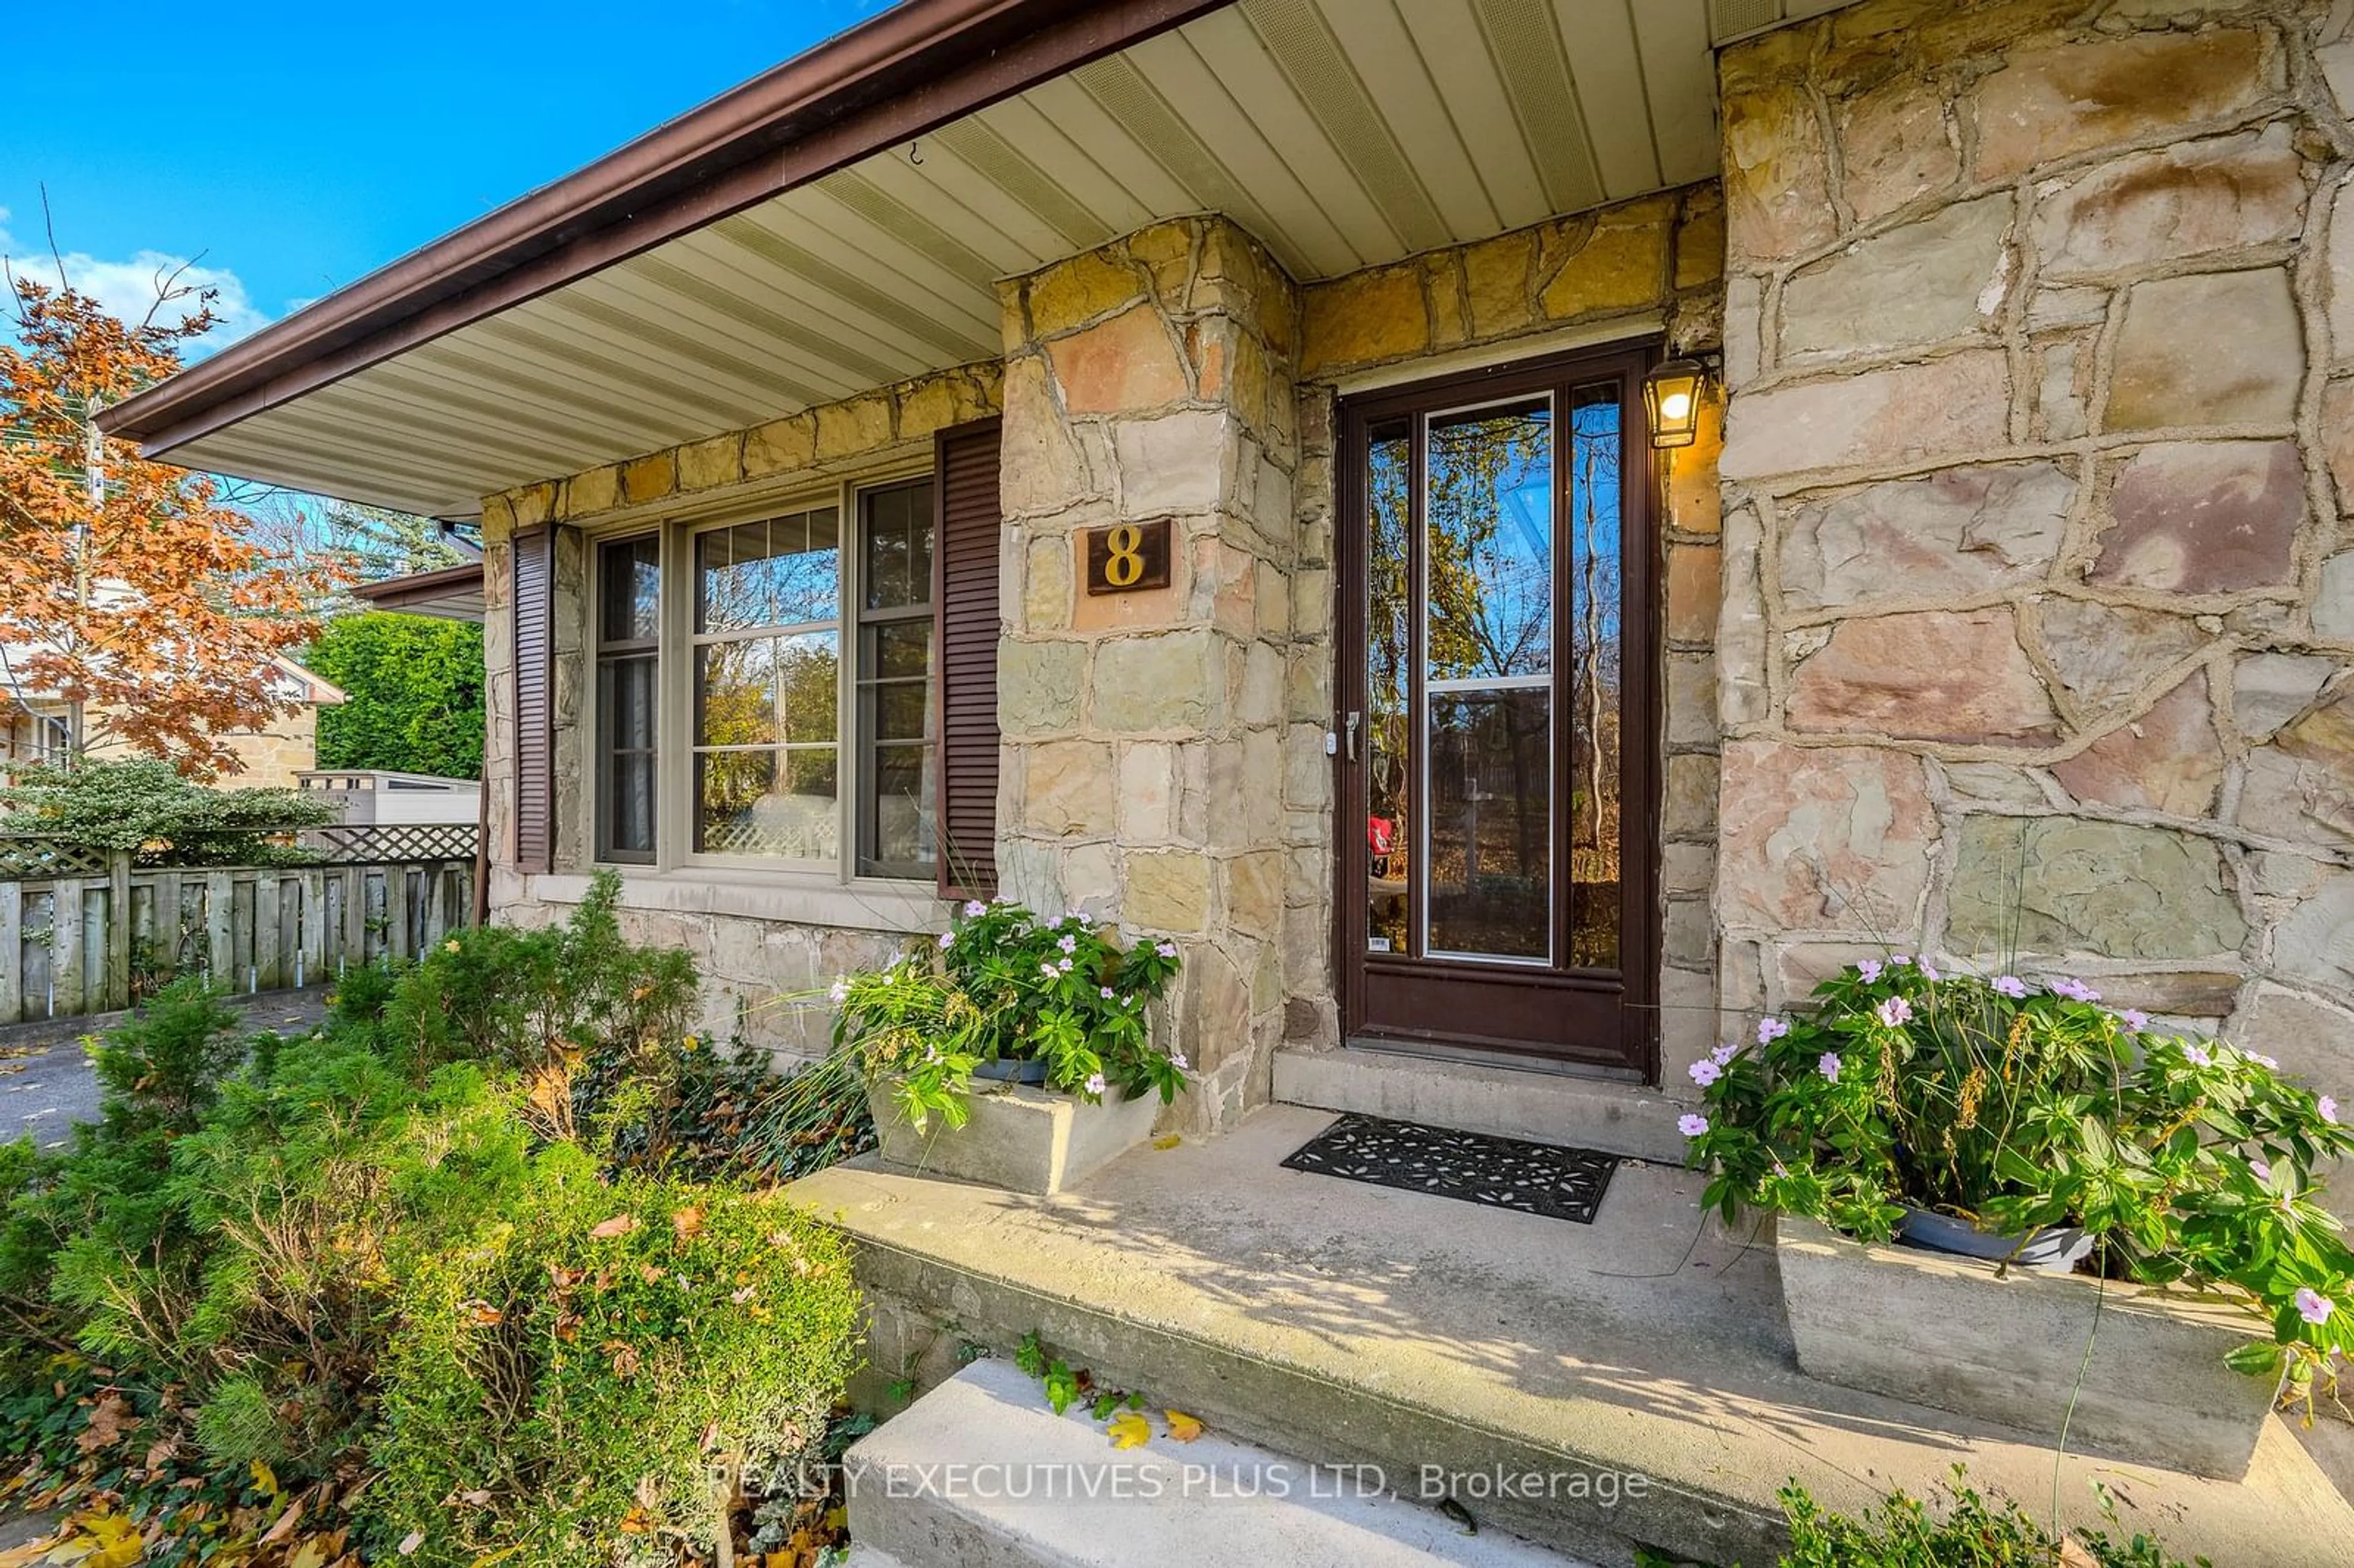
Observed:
{"x":128,"y":288}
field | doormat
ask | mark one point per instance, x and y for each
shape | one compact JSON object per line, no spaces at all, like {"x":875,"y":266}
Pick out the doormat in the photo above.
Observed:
{"x":1501,"y":1172}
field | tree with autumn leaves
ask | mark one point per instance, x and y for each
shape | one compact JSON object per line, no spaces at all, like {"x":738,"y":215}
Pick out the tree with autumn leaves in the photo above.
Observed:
{"x":131,"y":595}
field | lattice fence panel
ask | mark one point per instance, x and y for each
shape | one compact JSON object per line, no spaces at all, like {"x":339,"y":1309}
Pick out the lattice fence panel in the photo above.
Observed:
{"x":375,"y":842}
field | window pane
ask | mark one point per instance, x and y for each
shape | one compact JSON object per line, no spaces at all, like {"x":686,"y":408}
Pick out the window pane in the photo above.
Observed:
{"x":898,"y":523}
{"x":808,"y":566}
{"x":768,"y":803}
{"x":809,"y":683}
{"x":903,"y":787}
{"x":899,"y":648}
{"x":731,"y":578}
{"x":783,"y":572}
{"x":903,"y":711}
{"x":1491,"y":563}
{"x":629,"y":804}
{"x":631,"y":571}
{"x":1389,"y":751}
{"x":628,"y":721}
{"x":1490,"y":883}
{"x":735,"y":693}
{"x":1596,"y":633}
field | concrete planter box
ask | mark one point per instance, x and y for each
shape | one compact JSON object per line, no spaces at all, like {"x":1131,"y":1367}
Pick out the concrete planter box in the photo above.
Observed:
{"x":1947,"y":1331}
{"x":1023,"y":1139}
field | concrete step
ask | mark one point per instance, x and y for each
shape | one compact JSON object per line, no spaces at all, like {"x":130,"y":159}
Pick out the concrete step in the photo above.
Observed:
{"x":1541,"y":1106}
{"x":1586,"y":1387}
{"x":980,"y":1473}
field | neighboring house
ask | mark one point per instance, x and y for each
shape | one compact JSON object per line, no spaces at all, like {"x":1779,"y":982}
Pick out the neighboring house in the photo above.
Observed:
{"x":270,"y":756}
{"x":1191,"y":461}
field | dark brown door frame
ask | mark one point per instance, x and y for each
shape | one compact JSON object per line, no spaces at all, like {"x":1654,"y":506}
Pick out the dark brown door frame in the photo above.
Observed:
{"x":1634,"y":1045}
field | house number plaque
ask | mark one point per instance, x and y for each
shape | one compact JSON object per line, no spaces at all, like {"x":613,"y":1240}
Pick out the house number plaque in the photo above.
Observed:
{"x":1128,"y":557}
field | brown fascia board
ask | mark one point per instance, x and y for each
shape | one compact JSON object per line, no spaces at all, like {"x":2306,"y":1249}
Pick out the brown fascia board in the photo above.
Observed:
{"x":899,"y":76}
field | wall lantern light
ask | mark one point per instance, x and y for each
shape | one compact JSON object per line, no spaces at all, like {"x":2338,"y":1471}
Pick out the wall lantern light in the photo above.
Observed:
{"x":1671,"y":394}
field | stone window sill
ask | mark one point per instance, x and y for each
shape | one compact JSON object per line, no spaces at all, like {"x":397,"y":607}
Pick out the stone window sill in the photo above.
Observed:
{"x":896,"y":906}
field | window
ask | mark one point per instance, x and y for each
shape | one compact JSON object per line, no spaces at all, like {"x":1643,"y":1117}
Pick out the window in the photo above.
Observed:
{"x":767,"y":677}
{"x":802,"y":688}
{"x":898,"y":704}
{"x":629,"y":623}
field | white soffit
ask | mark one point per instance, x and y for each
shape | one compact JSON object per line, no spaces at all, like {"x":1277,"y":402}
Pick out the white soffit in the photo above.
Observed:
{"x":1343,"y":133}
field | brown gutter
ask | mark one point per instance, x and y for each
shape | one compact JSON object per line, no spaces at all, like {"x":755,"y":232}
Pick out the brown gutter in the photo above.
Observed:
{"x":442,"y":585}
{"x":900,"y":75}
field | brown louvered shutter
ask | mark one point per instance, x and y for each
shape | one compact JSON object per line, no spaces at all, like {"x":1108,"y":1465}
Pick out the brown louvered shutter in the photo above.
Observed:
{"x":534,"y":697}
{"x":965,"y":602}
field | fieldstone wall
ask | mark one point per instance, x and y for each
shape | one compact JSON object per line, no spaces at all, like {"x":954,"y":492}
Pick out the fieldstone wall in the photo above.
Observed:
{"x":1653,"y":264}
{"x":1154,"y":772}
{"x":2036,"y":639}
{"x":763,"y":953}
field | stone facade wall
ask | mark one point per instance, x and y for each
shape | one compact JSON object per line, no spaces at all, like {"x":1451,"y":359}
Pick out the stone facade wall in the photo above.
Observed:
{"x":1153,"y":770}
{"x":761,"y":951}
{"x":1652,"y":264}
{"x":2037,"y":638}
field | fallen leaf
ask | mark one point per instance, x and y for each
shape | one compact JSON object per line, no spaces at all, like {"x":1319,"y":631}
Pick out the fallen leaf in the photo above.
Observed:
{"x":1181,"y":1426}
{"x":285,"y":1525}
{"x":1168,"y":1141}
{"x":619,"y":1225}
{"x":105,"y":1426}
{"x":687,"y":1223}
{"x":265,"y":1478}
{"x":411,"y":1541}
{"x":637,"y":1522}
{"x":1130,"y":1430}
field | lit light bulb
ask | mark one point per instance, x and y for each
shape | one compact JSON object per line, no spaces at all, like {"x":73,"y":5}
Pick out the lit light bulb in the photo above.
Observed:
{"x":1675,"y":406}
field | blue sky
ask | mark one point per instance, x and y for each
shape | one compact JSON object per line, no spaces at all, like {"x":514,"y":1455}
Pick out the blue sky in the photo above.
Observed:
{"x":297,"y":147}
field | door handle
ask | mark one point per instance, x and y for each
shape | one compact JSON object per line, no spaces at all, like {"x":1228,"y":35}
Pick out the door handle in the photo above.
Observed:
{"x":1351,"y":730}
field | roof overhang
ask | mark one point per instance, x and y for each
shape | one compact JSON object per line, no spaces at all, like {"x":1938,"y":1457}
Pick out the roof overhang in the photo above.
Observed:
{"x":840,"y":222}
{"x":446,"y":593}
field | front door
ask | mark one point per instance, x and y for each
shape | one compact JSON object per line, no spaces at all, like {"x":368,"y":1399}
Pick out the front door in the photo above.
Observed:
{"x":1497,"y":689}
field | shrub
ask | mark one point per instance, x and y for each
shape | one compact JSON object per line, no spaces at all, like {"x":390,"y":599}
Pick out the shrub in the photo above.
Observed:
{"x":467,"y":1233}
{"x":2025,"y":1108}
{"x":144,"y":805}
{"x":1003,"y":985}
{"x":413,"y":690}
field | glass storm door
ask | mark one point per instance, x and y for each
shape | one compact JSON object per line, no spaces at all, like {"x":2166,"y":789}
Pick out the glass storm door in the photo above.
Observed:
{"x":1497,"y":695}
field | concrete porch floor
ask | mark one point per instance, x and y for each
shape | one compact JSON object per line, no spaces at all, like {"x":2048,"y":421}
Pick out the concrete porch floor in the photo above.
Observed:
{"x":1347,"y":1323}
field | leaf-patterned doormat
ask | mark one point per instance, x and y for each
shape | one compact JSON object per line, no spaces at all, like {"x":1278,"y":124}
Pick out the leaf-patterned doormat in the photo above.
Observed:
{"x":1501,"y":1172}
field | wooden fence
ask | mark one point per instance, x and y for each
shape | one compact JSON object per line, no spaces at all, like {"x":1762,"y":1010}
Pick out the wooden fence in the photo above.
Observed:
{"x":84,"y":931}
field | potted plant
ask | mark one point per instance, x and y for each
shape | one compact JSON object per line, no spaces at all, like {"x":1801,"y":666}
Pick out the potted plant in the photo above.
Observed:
{"x":2176,"y":1173}
{"x":1013,"y":1050}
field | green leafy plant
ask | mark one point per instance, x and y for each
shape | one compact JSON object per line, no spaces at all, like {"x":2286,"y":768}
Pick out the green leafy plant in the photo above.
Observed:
{"x":146,"y":805}
{"x":1003,"y":985}
{"x":1969,"y":1531}
{"x":414,"y":686}
{"x":2019,"y":1109}
{"x":490,"y":1266}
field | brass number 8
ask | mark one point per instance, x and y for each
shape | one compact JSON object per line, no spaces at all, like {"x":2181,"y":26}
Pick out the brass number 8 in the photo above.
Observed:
{"x":1125,"y":563}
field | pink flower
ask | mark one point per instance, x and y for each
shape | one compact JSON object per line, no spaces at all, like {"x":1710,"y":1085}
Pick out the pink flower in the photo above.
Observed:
{"x":1064,"y":966}
{"x":2074,"y":990}
{"x":1692,"y":1124}
{"x":1177,"y":1060}
{"x":1104,"y":991}
{"x":1705,"y":1072}
{"x":974,"y":909}
{"x":1046,"y":970}
{"x":1870,"y":970}
{"x":2135,"y":1019}
{"x":2262,"y":1169}
{"x":2196,"y":1056}
{"x":947,"y":940}
{"x":2314,"y":1306}
{"x":1928,"y":972}
{"x":1166,"y":950}
{"x":1724,"y":1055}
{"x":1770,"y":1030}
{"x":1894,"y":1012}
{"x":1829,"y":1065}
{"x":2263,"y":1061}
{"x":839,"y":991}
{"x":1068,"y":944}
{"x":1901,"y":958}
{"x":2328,"y":1108}
{"x":1095,"y":1084}
{"x":2010,"y":985}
